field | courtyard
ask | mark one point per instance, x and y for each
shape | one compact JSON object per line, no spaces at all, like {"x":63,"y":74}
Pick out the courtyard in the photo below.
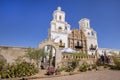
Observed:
{"x":89,"y":75}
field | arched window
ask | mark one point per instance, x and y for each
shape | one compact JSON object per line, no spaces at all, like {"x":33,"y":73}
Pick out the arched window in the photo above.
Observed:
{"x":60,"y":17}
{"x":60,"y":42}
{"x":88,"y":33}
{"x":92,"y":33}
{"x":77,"y":43}
{"x":60,"y":28}
{"x":65,"y":28}
{"x":91,"y":45}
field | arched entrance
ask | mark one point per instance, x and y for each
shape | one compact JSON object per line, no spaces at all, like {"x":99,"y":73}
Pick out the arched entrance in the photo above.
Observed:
{"x":48,"y":59}
{"x":58,"y":55}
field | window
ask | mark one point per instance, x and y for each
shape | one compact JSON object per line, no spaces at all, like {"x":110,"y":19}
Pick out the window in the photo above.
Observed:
{"x":60,"y":17}
{"x":77,"y":43}
{"x":65,"y":28}
{"x":60,"y":42}
{"x":92,"y":33}
{"x":60,"y":28}
{"x":88,"y":33}
{"x":91,"y":45}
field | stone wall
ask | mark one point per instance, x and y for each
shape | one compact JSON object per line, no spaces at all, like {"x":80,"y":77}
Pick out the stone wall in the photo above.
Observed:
{"x":11,"y":53}
{"x":90,"y":59}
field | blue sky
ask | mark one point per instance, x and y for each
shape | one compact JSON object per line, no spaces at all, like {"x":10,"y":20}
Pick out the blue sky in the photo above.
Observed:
{"x":26,"y":22}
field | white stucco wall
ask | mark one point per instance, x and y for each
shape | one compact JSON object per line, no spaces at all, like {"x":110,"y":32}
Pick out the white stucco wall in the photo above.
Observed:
{"x":60,"y":36}
{"x":90,"y":34}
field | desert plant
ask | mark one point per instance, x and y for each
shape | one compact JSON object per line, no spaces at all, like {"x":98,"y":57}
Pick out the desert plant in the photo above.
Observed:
{"x":35,"y":54}
{"x":19,"y":59}
{"x":63,"y":68}
{"x":94,"y":66}
{"x":2,"y":62}
{"x":99,"y":62}
{"x":84,"y":67}
{"x":58,"y":71}
{"x":19,"y":70}
{"x":74,"y":64}
{"x":69,"y":69}
{"x":117,"y":63}
{"x":4,"y":74}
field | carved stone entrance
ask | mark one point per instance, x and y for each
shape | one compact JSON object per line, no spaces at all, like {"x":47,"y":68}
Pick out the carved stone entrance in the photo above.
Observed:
{"x":58,"y":54}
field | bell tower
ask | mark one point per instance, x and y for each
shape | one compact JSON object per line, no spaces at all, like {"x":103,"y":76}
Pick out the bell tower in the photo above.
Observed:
{"x":84,"y":23}
{"x":90,"y":34}
{"x":59,"y":15}
{"x":59,"y":28}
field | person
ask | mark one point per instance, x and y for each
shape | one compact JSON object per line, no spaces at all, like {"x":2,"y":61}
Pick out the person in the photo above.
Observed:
{"x":42,"y":65}
{"x":102,"y":58}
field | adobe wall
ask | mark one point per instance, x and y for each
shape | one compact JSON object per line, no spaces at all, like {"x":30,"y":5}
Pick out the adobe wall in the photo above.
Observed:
{"x":11,"y":53}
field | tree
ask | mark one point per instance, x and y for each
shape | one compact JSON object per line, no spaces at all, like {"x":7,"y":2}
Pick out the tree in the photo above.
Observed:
{"x":2,"y":61}
{"x":35,"y":54}
{"x":29,"y":53}
{"x":50,"y":56}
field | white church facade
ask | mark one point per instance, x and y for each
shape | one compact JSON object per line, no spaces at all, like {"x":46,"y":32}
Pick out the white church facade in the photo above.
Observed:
{"x":59,"y":32}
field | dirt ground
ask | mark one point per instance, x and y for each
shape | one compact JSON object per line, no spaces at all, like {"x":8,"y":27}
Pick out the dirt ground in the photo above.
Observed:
{"x":89,"y":75}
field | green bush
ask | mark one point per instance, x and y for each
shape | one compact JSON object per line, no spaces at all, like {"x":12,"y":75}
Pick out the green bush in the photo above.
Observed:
{"x":63,"y":68}
{"x":58,"y":71}
{"x":69,"y":69}
{"x":99,"y":62}
{"x":1,"y":66}
{"x":5,"y":74}
{"x":94,"y":66}
{"x":84,"y":67}
{"x":71,"y":66}
{"x":117,"y":63}
{"x":2,"y":62}
{"x":19,"y":70}
{"x":106,"y":66}
{"x":74,"y":64}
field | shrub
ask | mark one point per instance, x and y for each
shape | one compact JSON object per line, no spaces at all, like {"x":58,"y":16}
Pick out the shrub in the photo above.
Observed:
{"x":106,"y":66}
{"x":2,"y":62}
{"x":1,"y":66}
{"x":58,"y":71}
{"x":99,"y":62}
{"x":4,"y":74}
{"x":94,"y":66}
{"x":63,"y":68}
{"x":74,"y":64}
{"x":71,"y":66}
{"x":19,"y":70}
{"x":117,"y":63}
{"x":69,"y":69}
{"x":84,"y":67}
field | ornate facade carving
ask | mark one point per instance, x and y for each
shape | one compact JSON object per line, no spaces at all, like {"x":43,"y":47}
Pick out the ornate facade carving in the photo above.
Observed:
{"x":77,"y":41}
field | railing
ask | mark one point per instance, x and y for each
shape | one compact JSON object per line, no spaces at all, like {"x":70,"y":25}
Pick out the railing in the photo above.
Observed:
{"x":90,"y":59}
{"x":62,"y":45}
{"x":78,"y":46}
{"x":70,"y":57}
{"x":93,"y":47}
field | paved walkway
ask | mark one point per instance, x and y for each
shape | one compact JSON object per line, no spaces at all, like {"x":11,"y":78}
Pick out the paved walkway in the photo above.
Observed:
{"x":90,"y":75}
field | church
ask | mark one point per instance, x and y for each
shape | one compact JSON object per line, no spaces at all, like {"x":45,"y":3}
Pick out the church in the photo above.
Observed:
{"x":82,"y":40}
{"x":62,"y":37}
